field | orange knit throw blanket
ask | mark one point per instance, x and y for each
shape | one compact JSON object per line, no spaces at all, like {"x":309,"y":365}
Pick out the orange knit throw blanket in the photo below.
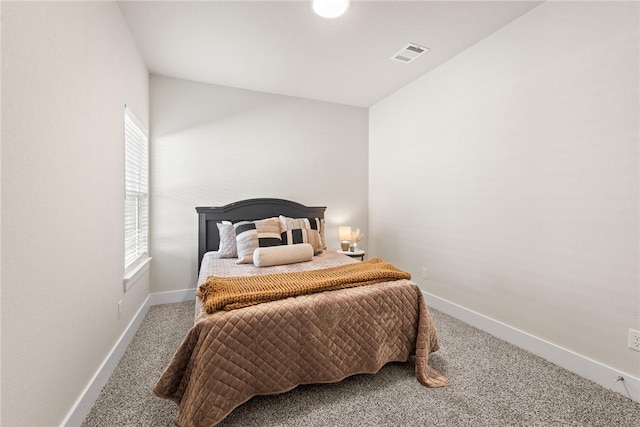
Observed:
{"x":241,"y":291}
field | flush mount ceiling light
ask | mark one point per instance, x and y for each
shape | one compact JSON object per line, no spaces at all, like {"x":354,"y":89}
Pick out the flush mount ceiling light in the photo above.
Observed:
{"x":330,"y":8}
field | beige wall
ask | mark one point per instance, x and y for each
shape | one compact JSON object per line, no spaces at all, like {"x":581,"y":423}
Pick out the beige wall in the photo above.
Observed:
{"x":67,"y":71}
{"x":212,"y":145}
{"x":511,"y":173}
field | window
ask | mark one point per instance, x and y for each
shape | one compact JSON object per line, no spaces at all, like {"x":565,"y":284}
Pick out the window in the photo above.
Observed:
{"x":136,"y":199}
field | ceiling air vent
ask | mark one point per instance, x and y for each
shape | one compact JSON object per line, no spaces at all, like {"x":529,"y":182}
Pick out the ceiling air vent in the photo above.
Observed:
{"x":409,"y":53}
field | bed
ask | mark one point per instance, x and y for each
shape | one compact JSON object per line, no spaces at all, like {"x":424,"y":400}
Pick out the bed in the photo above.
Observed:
{"x":229,"y":356}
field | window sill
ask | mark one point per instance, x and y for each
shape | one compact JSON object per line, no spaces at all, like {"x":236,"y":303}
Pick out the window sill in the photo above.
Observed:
{"x":131,"y":276}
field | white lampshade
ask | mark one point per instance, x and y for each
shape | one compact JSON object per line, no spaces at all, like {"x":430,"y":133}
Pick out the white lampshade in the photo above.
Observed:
{"x":330,"y":8}
{"x":344,"y":233}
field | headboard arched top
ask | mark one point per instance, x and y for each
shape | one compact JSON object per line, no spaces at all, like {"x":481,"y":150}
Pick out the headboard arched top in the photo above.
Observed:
{"x":246,"y":210}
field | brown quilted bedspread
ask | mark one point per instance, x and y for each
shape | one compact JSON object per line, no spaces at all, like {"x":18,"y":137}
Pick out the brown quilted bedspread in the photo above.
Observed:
{"x":242,"y":291}
{"x":230,"y":356}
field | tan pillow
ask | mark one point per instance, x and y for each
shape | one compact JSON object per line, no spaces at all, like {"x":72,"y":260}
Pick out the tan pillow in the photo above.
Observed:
{"x":322,"y":239}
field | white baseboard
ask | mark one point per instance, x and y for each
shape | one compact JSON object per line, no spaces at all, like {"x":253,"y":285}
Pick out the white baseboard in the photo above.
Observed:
{"x":595,"y":371}
{"x":172,"y":296}
{"x":90,"y":394}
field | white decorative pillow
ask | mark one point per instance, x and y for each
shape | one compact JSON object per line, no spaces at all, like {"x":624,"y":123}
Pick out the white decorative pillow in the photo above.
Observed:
{"x":280,"y":255}
{"x":227,"y":247}
{"x":302,"y":230}
{"x":250,"y":235}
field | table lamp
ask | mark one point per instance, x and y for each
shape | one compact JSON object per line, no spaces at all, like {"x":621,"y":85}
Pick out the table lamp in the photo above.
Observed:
{"x":345,"y":236}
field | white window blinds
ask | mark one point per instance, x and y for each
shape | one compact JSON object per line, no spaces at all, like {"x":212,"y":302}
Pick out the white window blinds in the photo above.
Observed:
{"x":136,"y":199}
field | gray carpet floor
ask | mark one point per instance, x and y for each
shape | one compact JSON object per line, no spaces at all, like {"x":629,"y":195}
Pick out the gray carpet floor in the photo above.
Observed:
{"x":493,"y":384}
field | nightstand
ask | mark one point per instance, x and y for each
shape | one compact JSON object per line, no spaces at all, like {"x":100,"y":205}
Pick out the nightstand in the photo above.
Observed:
{"x":354,"y":254}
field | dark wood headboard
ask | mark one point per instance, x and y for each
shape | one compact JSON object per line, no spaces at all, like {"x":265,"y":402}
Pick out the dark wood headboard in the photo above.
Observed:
{"x":245,"y":210}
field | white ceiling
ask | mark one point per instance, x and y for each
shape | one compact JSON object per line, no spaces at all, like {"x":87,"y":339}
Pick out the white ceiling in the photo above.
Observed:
{"x":282,"y":47}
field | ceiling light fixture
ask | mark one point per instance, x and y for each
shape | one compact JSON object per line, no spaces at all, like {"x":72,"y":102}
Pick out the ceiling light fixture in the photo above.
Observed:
{"x":330,"y":8}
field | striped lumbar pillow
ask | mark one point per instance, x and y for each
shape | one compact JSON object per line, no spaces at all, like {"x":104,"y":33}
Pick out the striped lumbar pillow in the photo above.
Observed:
{"x":251,"y":235}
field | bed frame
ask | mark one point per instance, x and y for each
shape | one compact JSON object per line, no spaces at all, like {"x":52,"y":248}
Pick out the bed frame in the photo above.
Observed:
{"x":245,"y":210}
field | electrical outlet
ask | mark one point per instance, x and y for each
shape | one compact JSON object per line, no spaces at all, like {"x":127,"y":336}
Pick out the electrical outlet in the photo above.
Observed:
{"x":424,"y":273}
{"x":634,"y":340}
{"x":119,"y":309}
